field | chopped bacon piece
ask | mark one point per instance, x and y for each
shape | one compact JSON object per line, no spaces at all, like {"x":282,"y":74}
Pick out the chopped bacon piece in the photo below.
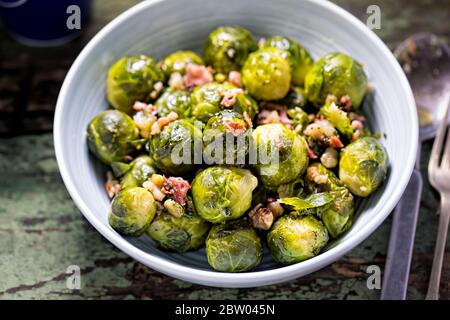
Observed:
{"x":162,"y":122}
{"x":235,"y":78}
{"x":284,"y":118}
{"x":142,"y":106}
{"x":197,"y":75}
{"x":311,"y":153}
{"x":229,"y":97}
{"x":112,"y":186}
{"x":157,"y":193}
{"x":157,"y":88}
{"x":346,"y":102}
{"x":177,"y":187}
{"x":248,"y":120}
{"x":234,"y":127}
{"x":335,"y":142}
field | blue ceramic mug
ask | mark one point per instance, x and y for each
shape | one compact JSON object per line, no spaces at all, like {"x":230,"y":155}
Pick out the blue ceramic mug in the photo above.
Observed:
{"x":45,"y":22}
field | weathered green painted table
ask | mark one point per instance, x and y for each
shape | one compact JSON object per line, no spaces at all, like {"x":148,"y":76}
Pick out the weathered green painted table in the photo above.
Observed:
{"x":42,"y":232}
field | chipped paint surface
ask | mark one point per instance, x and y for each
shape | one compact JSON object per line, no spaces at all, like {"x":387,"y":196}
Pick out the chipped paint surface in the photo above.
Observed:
{"x":42,"y":232}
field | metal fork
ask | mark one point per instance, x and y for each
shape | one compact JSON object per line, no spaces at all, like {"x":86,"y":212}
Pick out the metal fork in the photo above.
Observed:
{"x":439,"y":175}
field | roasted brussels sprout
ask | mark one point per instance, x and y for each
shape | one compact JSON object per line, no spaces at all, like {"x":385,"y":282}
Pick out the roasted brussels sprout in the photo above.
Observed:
{"x":131,"y":79}
{"x":173,"y":100}
{"x":338,"y":217}
{"x":109,"y":135}
{"x":139,"y":170}
{"x":282,"y":155}
{"x":299,"y":57}
{"x":131,"y":211}
{"x":227,"y":48}
{"x":266,"y":74}
{"x":294,"y":239}
{"x":233,"y":247}
{"x":177,"y":62}
{"x":336,"y":74}
{"x":338,"y":118}
{"x":208,"y":99}
{"x":174,"y":148}
{"x":226,"y":139}
{"x":223,"y":193}
{"x":363,"y":166}
{"x":179,"y":234}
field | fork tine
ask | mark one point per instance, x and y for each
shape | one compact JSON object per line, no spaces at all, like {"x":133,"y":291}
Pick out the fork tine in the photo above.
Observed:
{"x":446,"y":154}
{"x":438,"y":142}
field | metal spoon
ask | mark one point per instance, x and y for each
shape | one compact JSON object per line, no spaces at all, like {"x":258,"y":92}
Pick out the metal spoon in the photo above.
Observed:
{"x":425,"y":59}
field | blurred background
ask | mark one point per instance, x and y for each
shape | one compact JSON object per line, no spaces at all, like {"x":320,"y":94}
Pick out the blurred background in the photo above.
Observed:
{"x":41,"y":230}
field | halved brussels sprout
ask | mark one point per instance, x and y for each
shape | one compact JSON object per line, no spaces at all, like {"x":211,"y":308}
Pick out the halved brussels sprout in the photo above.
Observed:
{"x":338,"y":217}
{"x":299,"y":57}
{"x":294,"y":239}
{"x":233,"y":247}
{"x":109,"y":135}
{"x":174,"y":148}
{"x":173,"y":100}
{"x":177,"y":62}
{"x":223,"y":193}
{"x":336,"y":74}
{"x":227,"y":48}
{"x":179,"y":234}
{"x":139,"y":170}
{"x":226,"y":139}
{"x":338,"y":118}
{"x":131,"y":211}
{"x":266,"y":74}
{"x":207,"y":100}
{"x":131,"y":79}
{"x":363,"y":166}
{"x":282,"y":154}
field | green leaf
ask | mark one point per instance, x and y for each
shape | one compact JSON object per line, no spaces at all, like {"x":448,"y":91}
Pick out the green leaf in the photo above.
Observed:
{"x":311,"y":202}
{"x":119,"y":168}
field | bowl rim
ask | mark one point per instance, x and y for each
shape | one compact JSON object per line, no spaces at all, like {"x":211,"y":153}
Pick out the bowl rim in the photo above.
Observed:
{"x":246,"y":279}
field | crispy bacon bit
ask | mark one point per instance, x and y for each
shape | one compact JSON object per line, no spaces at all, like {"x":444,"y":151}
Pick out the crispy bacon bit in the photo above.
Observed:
{"x":158,"y":194}
{"x":162,"y":122}
{"x":229,"y":97}
{"x":335,"y":142}
{"x":311,"y":153}
{"x":284,"y":118}
{"x":346,"y":102}
{"x":176,"y":81}
{"x":112,"y":186}
{"x":234,"y":127}
{"x":262,"y":218}
{"x":311,"y":118}
{"x":356,"y":124}
{"x":248,"y":120}
{"x":197,"y":75}
{"x":142,"y":106}
{"x":177,"y":187}
{"x":235,"y":78}
{"x":157,"y":88}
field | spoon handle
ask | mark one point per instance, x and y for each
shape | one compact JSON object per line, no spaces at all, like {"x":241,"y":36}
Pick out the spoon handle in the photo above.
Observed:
{"x":401,"y":243}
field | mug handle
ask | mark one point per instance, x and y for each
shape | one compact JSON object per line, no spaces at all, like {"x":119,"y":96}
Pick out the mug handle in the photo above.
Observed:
{"x":12,"y":4}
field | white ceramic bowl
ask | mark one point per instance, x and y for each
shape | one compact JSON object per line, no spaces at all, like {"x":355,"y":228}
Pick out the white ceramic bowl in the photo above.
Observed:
{"x":160,"y":27}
